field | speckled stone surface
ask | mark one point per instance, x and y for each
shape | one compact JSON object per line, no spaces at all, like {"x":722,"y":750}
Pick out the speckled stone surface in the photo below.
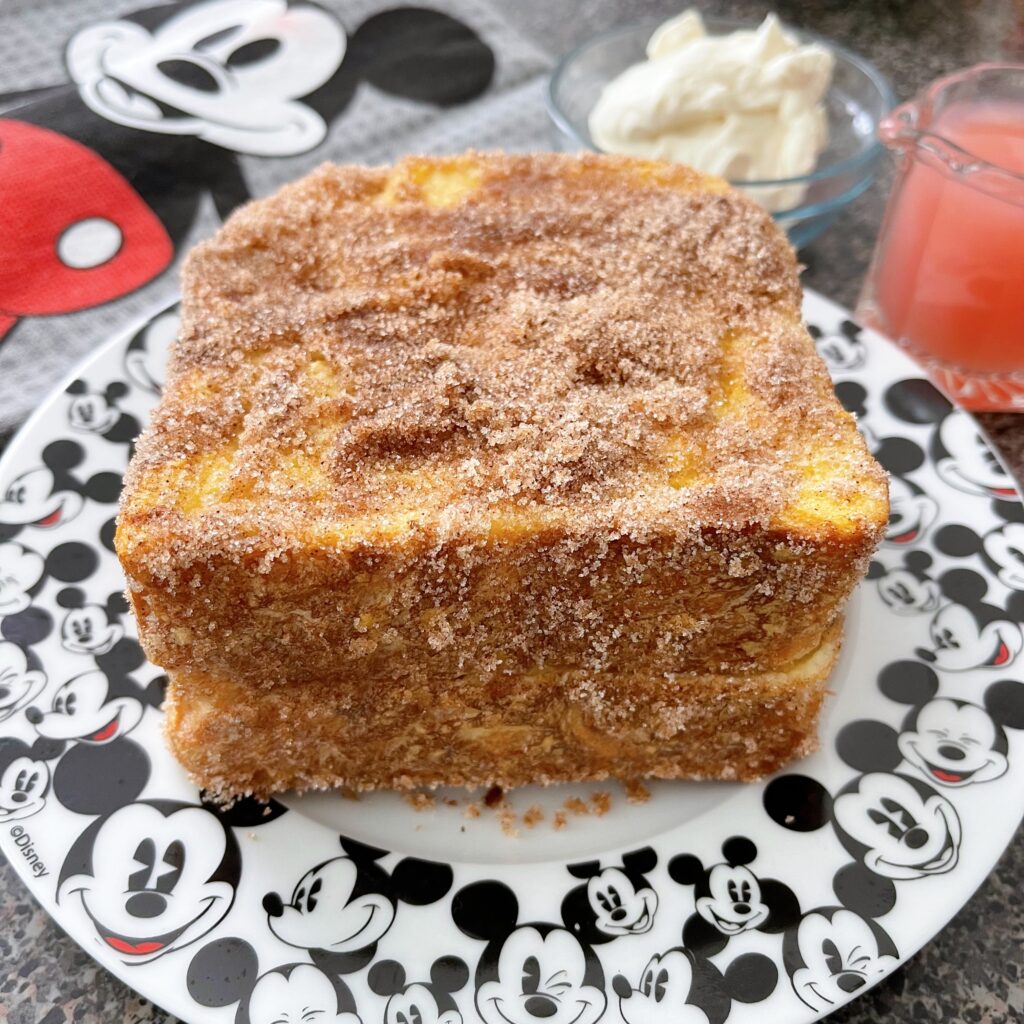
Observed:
{"x":973,"y":971}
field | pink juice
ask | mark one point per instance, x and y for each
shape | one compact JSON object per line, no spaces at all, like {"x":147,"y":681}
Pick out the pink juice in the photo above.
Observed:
{"x":949,"y":276}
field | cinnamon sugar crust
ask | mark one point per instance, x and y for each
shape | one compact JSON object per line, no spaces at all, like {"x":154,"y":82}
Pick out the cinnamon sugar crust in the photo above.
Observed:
{"x":539,"y":343}
{"x":551,"y":727}
{"x":465,"y":419}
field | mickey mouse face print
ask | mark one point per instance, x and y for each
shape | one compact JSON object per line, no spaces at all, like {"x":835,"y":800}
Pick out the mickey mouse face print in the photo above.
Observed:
{"x":540,"y":976}
{"x":151,"y":878}
{"x":24,"y":781}
{"x":229,"y":72}
{"x":834,"y":953}
{"x":19,"y":683}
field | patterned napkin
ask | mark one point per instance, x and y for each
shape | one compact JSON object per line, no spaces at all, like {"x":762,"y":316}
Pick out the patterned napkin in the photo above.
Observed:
{"x":127,"y":134}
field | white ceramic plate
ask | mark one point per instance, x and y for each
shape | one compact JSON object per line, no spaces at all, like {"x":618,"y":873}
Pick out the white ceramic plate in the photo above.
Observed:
{"x":773,"y":902}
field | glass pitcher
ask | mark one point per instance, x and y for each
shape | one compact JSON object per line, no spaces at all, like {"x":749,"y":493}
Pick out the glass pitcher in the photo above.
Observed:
{"x":947,"y":277}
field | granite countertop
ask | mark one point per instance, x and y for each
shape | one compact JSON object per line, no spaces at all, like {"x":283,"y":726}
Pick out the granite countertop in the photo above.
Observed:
{"x":972,"y":972}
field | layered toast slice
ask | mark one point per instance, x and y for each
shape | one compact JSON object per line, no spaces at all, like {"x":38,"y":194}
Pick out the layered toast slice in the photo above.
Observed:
{"x":474,"y":426}
{"x":543,"y":726}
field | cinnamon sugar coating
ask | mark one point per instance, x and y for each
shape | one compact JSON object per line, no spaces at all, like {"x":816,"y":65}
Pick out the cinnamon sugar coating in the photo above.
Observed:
{"x":473,"y":417}
{"x":550,"y":727}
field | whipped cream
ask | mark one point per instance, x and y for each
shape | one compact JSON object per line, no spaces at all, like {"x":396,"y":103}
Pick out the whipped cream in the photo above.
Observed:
{"x":746,"y":106}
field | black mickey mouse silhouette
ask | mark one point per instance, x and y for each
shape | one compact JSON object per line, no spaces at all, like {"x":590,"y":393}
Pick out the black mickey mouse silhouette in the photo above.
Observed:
{"x":424,"y":1002}
{"x":531,"y":971}
{"x":962,"y":456}
{"x":50,"y":495}
{"x":834,"y":951}
{"x":968,"y":633}
{"x":341,"y":908}
{"x":226,"y":971}
{"x":95,"y":630}
{"x":907,"y":589}
{"x":614,"y":901}
{"x":1001,"y":549}
{"x":150,"y":877}
{"x":145,"y":357}
{"x":681,"y":986}
{"x":844,"y":350}
{"x":24,"y":780}
{"x":952,"y":743}
{"x":731,"y":899}
{"x":163,"y":100}
{"x":97,"y":412}
{"x":92,"y":708}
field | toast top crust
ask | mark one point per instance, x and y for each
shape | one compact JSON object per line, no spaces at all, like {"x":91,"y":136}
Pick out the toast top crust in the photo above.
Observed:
{"x":489,"y":345}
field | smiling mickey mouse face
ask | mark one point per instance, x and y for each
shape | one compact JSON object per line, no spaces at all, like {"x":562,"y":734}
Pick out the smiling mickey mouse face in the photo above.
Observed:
{"x":618,"y":908}
{"x":953,"y":744}
{"x":302,"y":995}
{"x":841,"y":351}
{"x":20,"y":570}
{"x":1005,"y":548}
{"x":960,"y":642}
{"x":973,"y":466}
{"x":326,"y":913}
{"x":87,"y":631}
{"x":908,"y":594}
{"x":150,"y":884}
{"x":31,"y":499}
{"x":540,"y":977}
{"x":92,"y":412}
{"x":23,"y":787}
{"x":910,"y":513}
{"x":18,"y":683}
{"x":734,"y":904}
{"x":81,"y":711}
{"x":50,"y":495}
{"x":145,"y":359}
{"x":421,"y":1002}
{"x":663,"y":993}
{"x":905,"y":831}
{"x":840,"y":955}
{"x":227,"y":71}
{"x":417,"y":1005}
{"x":908,"y":589}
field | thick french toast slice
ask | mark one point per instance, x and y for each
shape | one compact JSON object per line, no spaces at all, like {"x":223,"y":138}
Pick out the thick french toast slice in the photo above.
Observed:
{"x":548,"y":726}
{"x":466,"y":419}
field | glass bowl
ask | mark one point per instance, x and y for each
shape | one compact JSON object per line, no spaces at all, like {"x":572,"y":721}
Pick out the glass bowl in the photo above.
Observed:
{"x":858,"y":98}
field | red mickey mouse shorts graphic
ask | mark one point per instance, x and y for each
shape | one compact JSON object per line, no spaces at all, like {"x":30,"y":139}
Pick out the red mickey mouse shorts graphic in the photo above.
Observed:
{"x":90,"y":240}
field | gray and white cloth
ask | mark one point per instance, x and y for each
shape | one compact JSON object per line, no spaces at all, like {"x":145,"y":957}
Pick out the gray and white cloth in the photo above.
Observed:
{"x":189,"y":108}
